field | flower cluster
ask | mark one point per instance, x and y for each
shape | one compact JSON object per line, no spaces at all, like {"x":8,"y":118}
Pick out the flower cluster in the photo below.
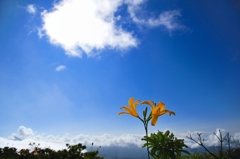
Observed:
{"x":157,"y":110}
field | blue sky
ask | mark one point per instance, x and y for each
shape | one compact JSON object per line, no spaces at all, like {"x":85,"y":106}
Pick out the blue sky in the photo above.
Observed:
{"x":68,"y":66}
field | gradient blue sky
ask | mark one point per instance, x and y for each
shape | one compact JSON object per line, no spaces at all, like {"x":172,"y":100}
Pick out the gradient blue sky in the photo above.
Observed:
{"x":57,"y":75}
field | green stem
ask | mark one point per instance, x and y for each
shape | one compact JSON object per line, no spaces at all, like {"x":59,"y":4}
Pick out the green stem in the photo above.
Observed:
{"x":146,"y":129}
{"x":145,"y":123}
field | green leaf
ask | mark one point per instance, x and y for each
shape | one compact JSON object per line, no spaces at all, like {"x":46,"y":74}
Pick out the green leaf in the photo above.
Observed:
{"x":185,"y":151}
{"x":145,"y":112}
{"x":167,"y":133}
{"x":149,"y":117}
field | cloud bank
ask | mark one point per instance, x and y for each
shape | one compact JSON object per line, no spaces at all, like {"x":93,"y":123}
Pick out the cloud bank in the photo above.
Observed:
{"x":24,"y":136}
{"x":80,"y":26}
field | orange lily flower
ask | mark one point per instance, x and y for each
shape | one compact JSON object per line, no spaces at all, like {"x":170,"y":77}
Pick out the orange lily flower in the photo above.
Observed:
{"x":132,"y":109}
{"x":157,"y":110}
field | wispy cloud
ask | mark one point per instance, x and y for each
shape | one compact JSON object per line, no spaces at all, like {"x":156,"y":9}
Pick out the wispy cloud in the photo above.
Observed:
{"x":167,"y":19}
{"x":60,"y":68}
{"x":80,"y":26}
{"x":31,"y":8}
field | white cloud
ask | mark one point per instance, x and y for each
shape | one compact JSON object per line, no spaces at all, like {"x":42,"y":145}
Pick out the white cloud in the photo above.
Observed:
{"x":60,"y":68}
{"x":210,"y":139}
{"x":236,"y":135}
{"x":167,"y":19}
{"x":80,"y":26}
{"x":24,"y":136}
{"x":24,"y":132}
{"x":31,"y":9}
{"x":40,"y":33}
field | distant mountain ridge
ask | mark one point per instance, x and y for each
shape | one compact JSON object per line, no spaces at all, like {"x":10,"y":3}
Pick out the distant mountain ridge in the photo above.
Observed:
{"x":135,"y":152}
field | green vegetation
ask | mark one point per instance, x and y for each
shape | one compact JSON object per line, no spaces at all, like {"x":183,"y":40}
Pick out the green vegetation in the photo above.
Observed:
{"x":72,"y":152}
{"x":165,"y":145}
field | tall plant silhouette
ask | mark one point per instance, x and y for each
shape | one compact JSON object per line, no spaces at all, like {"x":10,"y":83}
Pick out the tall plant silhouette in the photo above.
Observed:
{"x":157,"y":110}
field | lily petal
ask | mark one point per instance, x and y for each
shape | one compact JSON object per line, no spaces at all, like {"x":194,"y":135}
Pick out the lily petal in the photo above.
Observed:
{"x":135,"y":104}
{"x":120,"y":113}
{"x":170,"y":113}
{"x":148,"y":102}
{"x":157,"y":110}
{"x":161,"y":106}
{"x":129,"y":110}
{"x":130,"y":102}
{"x":154,"y":119}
